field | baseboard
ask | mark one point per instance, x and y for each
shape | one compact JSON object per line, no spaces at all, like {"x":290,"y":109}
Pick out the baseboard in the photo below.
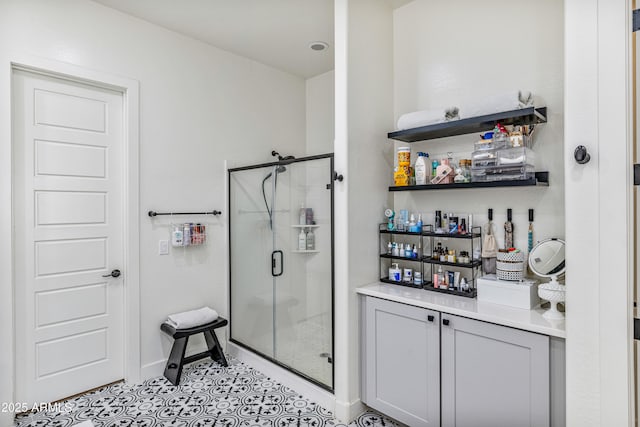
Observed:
{"x":312,"y":392}
{"x":6,"y":419}
{"x":153,"y":369}
{"x":349,"y":411}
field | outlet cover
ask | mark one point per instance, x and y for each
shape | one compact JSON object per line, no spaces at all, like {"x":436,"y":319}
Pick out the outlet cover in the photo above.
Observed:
{"x":163,"y":247}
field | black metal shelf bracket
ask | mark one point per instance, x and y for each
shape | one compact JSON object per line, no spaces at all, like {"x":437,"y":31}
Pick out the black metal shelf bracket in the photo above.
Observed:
{"x":154,"y":213}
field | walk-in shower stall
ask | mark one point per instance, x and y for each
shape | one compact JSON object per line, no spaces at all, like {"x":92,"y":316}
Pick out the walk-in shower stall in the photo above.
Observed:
{"x":281,"y":263}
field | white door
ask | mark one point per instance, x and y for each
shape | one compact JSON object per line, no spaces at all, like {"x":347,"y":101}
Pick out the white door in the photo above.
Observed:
{"x":68,"y":209}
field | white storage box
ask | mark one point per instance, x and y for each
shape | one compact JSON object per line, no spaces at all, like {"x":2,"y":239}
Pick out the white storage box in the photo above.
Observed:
{"x":515,"y":294}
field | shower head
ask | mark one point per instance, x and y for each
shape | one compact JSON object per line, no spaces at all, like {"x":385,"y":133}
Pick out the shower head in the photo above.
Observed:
{"x":279,"y":169}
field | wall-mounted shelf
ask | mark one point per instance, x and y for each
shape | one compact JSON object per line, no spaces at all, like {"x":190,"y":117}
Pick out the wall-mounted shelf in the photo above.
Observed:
{"x":524,"y":116}
{"x":541,"y":180}
{"x":304,"y":226}
{"x":305,"y":252}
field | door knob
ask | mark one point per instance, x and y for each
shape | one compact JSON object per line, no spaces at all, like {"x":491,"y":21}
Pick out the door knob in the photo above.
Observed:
{"x":581,"y":155}
{"x":445,"y":322}
{"x":430,"y":318}
{"x":114,"y":273}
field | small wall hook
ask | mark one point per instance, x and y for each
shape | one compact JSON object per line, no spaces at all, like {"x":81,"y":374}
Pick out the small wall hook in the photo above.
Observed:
{"x":337,"y":177}
{"x":581,"y":155}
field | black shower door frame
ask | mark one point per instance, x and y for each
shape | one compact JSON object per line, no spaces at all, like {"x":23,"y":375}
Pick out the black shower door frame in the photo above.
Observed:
{"x":331,"y":177}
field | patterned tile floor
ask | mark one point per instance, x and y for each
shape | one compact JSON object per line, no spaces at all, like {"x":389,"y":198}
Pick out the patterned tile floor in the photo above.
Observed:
{"x":208,"y":395}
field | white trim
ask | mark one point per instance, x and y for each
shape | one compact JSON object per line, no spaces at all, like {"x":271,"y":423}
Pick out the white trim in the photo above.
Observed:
{"x":599,"y":213}
{"x":130,"y":90}
{"x":615,"y":182}
{"x":310,"y":391}
{"x":349,"y":410}
{"x":153,"y":369}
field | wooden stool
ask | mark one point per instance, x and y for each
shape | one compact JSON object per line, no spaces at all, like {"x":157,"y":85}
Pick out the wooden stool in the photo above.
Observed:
{"x":176,"y":361}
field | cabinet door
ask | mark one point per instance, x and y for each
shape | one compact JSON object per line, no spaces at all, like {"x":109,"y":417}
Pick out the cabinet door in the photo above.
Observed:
{"x":401,"y":362}
{"x":493,"y":375}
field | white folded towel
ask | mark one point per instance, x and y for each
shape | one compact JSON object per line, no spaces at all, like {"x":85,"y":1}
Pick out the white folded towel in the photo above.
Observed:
{"x":193,"y":318}
{"x":507,"y":101}
{"x":427,"y":117}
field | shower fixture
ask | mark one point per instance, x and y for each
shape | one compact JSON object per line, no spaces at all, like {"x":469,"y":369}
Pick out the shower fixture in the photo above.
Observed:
{"x":277,"y":169}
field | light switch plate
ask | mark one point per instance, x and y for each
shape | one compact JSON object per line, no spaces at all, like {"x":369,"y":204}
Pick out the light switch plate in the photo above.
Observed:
{"x":163,"y":247}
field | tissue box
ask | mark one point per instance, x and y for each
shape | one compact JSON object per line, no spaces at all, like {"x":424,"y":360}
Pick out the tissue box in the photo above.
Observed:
{"x":515,"y":294}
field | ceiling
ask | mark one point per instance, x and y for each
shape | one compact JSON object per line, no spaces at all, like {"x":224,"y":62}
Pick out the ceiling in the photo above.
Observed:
{"x":273,"y":32}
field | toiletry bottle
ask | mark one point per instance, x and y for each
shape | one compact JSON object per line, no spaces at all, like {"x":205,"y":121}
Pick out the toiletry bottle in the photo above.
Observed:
{"x":395,"y":251}
{"x":441,"y":281}
{"x":434,"y":168}
{"x":394,"y":272}
{"x":302,"y":240}
{"x":389,"y":248}
{"x":412,"y":224}
{"x":438,"y":220}
{"x":445,"y":223}
{"x":303,"y":215}
{"x":311,"y":240}
{"x":186,"y":234}
{"x":176,"y":236}
{"x":408,"y":252}
{"x":419,"y":224}
{"x":421,"y":168}
{"x":415,"y":252}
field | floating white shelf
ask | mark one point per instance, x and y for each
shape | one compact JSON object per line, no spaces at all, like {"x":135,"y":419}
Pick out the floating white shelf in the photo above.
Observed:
{"x":305,"y":252}
{"x":304,"y":226}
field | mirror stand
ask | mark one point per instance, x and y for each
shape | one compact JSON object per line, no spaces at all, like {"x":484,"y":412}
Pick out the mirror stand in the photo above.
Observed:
{"x":554,"y":292}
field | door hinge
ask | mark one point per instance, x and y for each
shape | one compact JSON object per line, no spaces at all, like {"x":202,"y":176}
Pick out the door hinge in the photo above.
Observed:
{"x":636,"y":328}
{"x":636,"y":20}
{"x":636,"y":174}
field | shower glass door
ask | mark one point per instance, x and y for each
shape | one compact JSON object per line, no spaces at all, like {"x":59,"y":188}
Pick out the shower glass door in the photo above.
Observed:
{"x":281,"y":249}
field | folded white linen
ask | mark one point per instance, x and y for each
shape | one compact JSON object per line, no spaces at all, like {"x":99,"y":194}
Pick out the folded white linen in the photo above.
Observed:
{"x":427,"y":117}
{"x":193,"y":318}
{"x":507,"y":101}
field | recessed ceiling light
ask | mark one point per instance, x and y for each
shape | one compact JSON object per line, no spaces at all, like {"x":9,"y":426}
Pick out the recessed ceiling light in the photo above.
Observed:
{"x":318,"y":46}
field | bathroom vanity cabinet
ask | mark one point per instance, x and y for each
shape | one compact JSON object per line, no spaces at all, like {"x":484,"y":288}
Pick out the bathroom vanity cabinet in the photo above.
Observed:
{"x":428,"y":367}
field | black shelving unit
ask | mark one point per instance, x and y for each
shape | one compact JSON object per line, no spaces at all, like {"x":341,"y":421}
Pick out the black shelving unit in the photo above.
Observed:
{"x":541,"y":180}
{"x":524,"y":116}
{"x":424,"y":260}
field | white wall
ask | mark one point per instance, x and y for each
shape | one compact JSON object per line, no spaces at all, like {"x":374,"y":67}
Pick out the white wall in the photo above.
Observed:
{"x":452,"y":53}
{"x":320,"y":113}
{"x":364,"y":97}
{"x":198,"y":106}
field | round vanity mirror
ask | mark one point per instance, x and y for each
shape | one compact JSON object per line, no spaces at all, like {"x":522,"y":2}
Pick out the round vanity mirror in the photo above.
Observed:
{"x":546,"y":259}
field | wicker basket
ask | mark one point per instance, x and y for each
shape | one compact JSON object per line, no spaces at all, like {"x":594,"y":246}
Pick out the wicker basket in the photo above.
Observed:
{"x":510,"y":266}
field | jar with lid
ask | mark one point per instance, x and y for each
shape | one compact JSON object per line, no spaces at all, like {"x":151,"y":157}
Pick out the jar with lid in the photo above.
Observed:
{"x":465,"y":166}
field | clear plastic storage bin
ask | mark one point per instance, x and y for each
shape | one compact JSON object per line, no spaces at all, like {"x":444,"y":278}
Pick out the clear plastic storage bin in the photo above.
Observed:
{"x":519,"y":156}
{"x":503,"y":173}
{"x":484,"y":158}
{"x":490,"y":144}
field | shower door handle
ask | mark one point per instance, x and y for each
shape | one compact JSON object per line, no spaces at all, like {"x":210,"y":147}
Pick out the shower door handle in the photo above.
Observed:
{"x":274,"y":263}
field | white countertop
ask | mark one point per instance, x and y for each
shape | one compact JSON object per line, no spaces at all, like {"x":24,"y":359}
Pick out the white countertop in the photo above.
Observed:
{"x":528,"y":320}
